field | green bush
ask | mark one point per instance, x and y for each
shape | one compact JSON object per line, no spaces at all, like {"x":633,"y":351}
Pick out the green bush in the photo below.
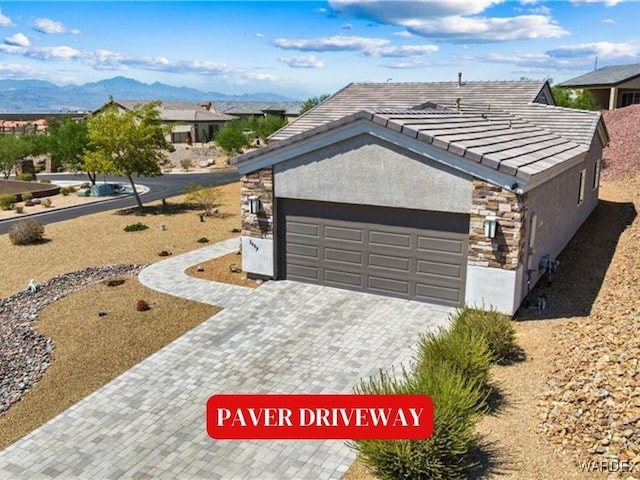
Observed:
{"x":26,"y":232}
{"x":26,"y":196}
{"x":45,"y":181}
{"x":26,"y":177}
{"x":496,"y":328}
{"x":7,"y":200}
{"x":135,"y":227}
{"x":463,"y":350}
{"x":65,"y":191}
{"x":19,"y":209}
{"x":203,"y":240}
{"x":446,"y":454}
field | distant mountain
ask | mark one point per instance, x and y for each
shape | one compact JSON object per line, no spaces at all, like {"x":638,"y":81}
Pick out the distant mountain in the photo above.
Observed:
{"x":41,"y":96}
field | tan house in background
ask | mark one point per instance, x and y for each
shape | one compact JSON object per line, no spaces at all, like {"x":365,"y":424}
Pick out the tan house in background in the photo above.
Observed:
{"x":612,"y":87}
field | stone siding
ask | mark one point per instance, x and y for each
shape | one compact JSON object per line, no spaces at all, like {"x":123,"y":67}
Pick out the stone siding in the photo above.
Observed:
{"x":506,"y":250}
{"x":260,"y":184}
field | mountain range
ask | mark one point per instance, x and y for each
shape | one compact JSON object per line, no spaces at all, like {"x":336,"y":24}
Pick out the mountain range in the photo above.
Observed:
{"x":41,"y":96}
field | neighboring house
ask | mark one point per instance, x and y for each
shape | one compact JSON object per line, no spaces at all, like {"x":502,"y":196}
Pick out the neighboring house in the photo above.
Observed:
{"x":612,"y":87}
{"x":286,"y":110}
{"x":446,"y":193}
{"x":190,"y":122}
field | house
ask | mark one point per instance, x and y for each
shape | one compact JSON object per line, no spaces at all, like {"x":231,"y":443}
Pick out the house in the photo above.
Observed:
{"x":190,"y":122}
{"x":612,"y":87}
{"x":446,"y":193}
{"x":285,"y":110}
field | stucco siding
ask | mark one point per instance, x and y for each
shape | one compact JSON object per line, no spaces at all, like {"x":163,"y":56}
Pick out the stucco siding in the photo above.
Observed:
{"x":557,"y":213}
{"x":367,"y":170}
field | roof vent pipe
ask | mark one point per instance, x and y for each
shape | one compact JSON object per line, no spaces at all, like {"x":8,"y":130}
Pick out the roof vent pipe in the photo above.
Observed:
{"x":459,"y":79}
{"x":458,"y":104}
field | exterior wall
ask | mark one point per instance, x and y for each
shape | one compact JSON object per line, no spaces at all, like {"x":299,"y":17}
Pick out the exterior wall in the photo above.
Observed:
{"x":495,"y":269}
{"x":601,"y":96}
{"x":555,"y":205}
{"x":505,"y":251}
{"x":367,"y":170}
{"x":257,"y":229}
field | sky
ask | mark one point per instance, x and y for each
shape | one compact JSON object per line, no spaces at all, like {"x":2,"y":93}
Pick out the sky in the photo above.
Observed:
{"x":305,"y":48}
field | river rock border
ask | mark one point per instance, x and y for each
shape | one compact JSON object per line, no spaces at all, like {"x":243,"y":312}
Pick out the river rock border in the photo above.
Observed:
{"x":25,"y":354}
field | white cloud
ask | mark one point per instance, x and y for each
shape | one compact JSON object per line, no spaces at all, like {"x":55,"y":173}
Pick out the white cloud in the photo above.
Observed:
{"x":410,"y":65}
{"x":402,"y":51}
{"x":302,"y":61}
{"x":55,"y":53}
{"x":541,"y":10}
{"x":480,"y":29}
{"x":10,"y":70}
{"x":602,"y":50}
{"x":46,"y":25}
{"x":608,"y":3}
{"x":5,"y":21}
{"x":454,"y":20}
{"x":337,"y":43}
{"x":18,"y":40}
{"x":259,"y":34}
{"x":404,"y":34}
{"x":609,"y":21}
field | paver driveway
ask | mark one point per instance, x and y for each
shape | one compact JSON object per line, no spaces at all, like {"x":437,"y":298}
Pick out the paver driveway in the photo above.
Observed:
{"x":283,"y":337}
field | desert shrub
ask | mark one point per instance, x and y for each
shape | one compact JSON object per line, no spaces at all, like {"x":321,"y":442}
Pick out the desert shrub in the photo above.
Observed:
{"x":85,"y":185}
{"x":65,"y":191}
{"x":496,"y":328}
{"x":207,"y":198}
{"x":164,"y":253}
{"x":135,"y":227}
{"x":186,"y":164}
{"x":19,"y":208}
{"x":114,"y":282}
{"x":46,"y":202}
{"x":26,"y":177}
{"x":446,"y":454}
{"x":45,"y":180}
{"x":26,"y":196}
{"x":463,"y":350}
{"x":203,"y":240}
{"x":7,"y":200}
{"x":26,"y":232}
{"x":142,"y":305}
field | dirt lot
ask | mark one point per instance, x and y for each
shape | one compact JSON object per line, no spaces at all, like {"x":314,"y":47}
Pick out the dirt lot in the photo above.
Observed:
{"x":225,"y":269}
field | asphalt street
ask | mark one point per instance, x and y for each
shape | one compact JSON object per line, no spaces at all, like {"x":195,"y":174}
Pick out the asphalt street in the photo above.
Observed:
{"x":164,"y":186}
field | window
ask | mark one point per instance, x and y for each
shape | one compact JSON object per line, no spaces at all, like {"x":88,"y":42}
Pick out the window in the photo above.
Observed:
{"x":581,"y":188}
{"x":596,"y":174}
{"x":630,"y":98}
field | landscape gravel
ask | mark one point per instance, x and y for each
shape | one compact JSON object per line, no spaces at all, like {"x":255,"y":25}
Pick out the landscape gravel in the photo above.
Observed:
{"x":622,"y":155}
{"x":25,"y":354}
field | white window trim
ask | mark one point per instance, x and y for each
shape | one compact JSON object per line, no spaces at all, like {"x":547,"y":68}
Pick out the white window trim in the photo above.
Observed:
{"x":583,"y":179}
{"x":596,"y":175}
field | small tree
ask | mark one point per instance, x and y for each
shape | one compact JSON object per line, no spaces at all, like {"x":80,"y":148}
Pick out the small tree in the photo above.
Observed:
{"x":66,"y":143}
{"x":266,"y":126}
{"x":130,"y":143}
{"x":12,"y":149}
{"x":231,"y":137}
{"x":208,"y":198}
{"x":311,"y":102}
{"x":583,"y":100}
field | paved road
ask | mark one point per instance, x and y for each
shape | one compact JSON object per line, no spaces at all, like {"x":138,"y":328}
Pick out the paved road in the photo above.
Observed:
{"x":284,"y":337}
{"x":164,"y":186}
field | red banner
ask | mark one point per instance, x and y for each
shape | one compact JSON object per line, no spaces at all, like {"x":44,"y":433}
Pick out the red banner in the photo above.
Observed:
{"x":316,"y":417}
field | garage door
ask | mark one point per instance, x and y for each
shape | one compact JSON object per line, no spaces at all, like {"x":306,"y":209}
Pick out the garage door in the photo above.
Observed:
{"x":410,"y":254}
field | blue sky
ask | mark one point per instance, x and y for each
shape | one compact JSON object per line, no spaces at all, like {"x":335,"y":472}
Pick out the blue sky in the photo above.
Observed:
{"x":308,"y":48}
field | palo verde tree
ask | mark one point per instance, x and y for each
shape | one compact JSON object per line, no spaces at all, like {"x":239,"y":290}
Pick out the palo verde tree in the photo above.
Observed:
{"x":311,"y":102}
{"x":130,"y":143}
{"x":232,"y":138}
{"x":67,"y":141}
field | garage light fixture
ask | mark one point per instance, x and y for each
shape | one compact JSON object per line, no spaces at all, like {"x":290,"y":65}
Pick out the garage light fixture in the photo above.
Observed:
{"x":254,"y":204}
{"x":490,"y":226}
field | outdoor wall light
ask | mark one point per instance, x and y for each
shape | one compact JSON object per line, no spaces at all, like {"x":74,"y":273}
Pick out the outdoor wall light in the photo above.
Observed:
{"x":490,"y":225}
{"x":254,"y":204}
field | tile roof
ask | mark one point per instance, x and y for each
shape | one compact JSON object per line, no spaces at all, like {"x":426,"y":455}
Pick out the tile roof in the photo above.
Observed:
{"x":504,"y":141}
{"x":606,"y":76}
{"x":171,"y":111}
{"x":359,"y":96}
{"x":257,"y":108}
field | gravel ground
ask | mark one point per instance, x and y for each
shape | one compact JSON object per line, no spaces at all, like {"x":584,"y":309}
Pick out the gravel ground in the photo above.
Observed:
{"x":223,"y":269}
{"x":622,"y":156}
